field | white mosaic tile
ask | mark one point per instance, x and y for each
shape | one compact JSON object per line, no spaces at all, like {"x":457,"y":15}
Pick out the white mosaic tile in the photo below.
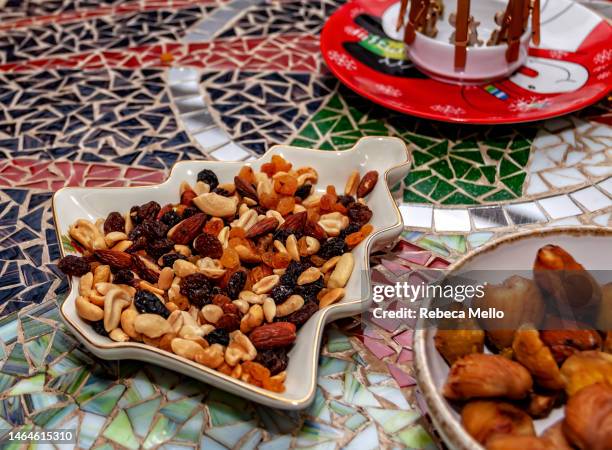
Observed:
{"x":536,"y":185}
{"x":488,"y":217}
{"x":416,"y":215}
{"x":545,"y":139}
{"x":559,"y":206}
{"x":592,"y":199}
{"x":606,"y":185}
{"x":599,"y":171}
{"x":197,"y":121}
{"x":185,"y":88}
{"x":452,"y":220}
{"x":561,"y":178}
{"x":525,"y":213}
{"x":230,"y":152}
{"x":180,"y":74}
{"x":190,"y":104}
{"x":603,"y":220}
{"x":568,"y":221}
{"x":212,"y":138}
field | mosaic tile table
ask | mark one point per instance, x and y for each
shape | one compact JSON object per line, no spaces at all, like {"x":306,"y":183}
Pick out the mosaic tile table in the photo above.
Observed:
{"x":112,"y":93}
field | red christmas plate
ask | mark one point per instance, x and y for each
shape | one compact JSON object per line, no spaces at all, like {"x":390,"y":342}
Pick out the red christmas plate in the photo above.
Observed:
{"x":571,"y":69}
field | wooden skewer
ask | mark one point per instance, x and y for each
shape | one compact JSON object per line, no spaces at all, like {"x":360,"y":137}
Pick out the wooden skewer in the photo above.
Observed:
{"x":515,"y":29}
{"x":461,"y":33}
{"x":535,"y":21}
{"x":416,"y":18}
{"x":402,"y":14}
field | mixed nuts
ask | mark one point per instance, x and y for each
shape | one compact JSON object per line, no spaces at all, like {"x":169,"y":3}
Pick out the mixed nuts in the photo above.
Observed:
{"x":534,"y":367}
{"x":228,"y":275}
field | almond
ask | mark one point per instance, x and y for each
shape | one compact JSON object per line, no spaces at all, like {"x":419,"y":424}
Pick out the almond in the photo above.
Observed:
{"x":114,"y":258}
{"x":272,"y":335}
{"x":315,"y":230}
{"x":245,"y":188}
{"x":145,"y":269}
{"x":187,"y":197}
{"x":262,"y":227}
{"x":186,"y":230}
{"x":367,"y":183}
{"x":294,"y":223}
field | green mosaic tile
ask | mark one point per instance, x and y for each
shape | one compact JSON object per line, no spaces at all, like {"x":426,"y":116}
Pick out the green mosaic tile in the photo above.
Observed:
{"x":475,"y":174}
{"x":355,"y":421}
{"x":443,"y":168}
{"x":104,"y":403}
{"x":53,"y":417}
{"x":521,"y":157}
{"x":500,"y":196}
{"x":489,"y":173}
{"x":457,"y":198}
{"x":344,"y":124}
{"x":411,"y":197}
{"x":392,"y":421}
{"x":324,"y":126}
{"x":429,"y":244}
{"x":440,"y":149}
{"x":28,"y":385}
{"x":120,"y":431}
{"x":69,"y":382}
{"x":456,"y":242}
{"x":515,"y":183}
{"x":342,"y":142}
{"x":467,"y":144}
{"x":335,"y":103}
{"x":303,"y":143}
{"x":309,"y":132}
{"x":192,"y":429}
{"x":421,"y":158}
{"x":520,"y":143}
{"x":16,"y":362}
{"x":498,"y":142}
{"x":181,"y":410}
{"x":426,"y":186}
{"x":34,"y":328}
{"x":6,"y":381}
{"x":474,"y":189}
{"x":416,"y":437}
{"x":495,"y":154}
{"x":460,"y":166}
{"x":416,"y":175}
{"x":475,"y":156}
{"x":141,"y":416}
{"x":222,"y":414}
{"x":507,"y":168}
{"x":442,"y":190}
{"x":419,"y":141}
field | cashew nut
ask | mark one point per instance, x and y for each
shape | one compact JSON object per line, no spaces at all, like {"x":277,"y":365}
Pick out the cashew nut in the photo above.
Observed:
{"x":151,"y":325}
{"x":88,"y":310}
{"x":211,"y":357}
{"x":216,"y":205}
{"x":114,"y":301}
{"x":239,"y":349}
{"x":342,"y":271}
{"x":186,"y":348}
{"x":128,"y":316}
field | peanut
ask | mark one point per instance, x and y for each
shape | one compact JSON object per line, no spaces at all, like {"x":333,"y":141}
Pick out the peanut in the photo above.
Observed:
{"x":292,"y":248}
{"x":252,"y":319}
{"x":269,"y":309}
{"x":266,"y":284}
{"x":186,"y":348}
{"x":252,"y":297}
{"x":184,"y":268}
{"x":88,"y":310}
{"x":165,"y":278}
{"x":329,"y":264}
{"x":211,"y":357}
{"x":240,"y":348}
{"x":101,"y":274}
{"x":342,"y":271}
{"x":118,"y":335}
{"x":352,"y":183}
{"x":291,"y":305}
{"x":85,"y":284}
{"x":128,"y":316}
{"x":114,"y":301}
{"x":331,"y":296}
{"x":310,"y":275}
{"x":212,"y":313}
{"x":242,"y":305}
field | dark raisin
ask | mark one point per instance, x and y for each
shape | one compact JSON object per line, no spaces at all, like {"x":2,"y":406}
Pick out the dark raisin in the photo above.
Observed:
{"x":300,"y":317}
{"x":309,"y":291}
{"x":147,"y":302}
{"x":332,"y":247}
{"x":229,"y":322}
{"x":236,"y":284}
{"x":123,"y":276}
{"x":148,"y":211}
{"x":223,"y":192}
{"x":168,"y":259}
{"x":208,"y":245}
{"x":149,"y":229}
{"x":274,"y":359}
{"x":346,"y":200}
{"x":159,"y":247}
{"x":359,"y":213}
{"x":209,"y":177}
{"x":98,"y":327}
{"x":217,"y":290}
{"x":218,"y":336}
{"x":352,"y":228}
{"x":114,"y":222}
{"x":303,"y":191}
{"x":140,"y":243}
{"x":282,"y":234}
{"x":198,"y":289}
{"x":189,"y":211}
{"x":74,"y":266}
{"x":170,"y":218}
{"x":280,"y":292}
{"x":292,"y":272}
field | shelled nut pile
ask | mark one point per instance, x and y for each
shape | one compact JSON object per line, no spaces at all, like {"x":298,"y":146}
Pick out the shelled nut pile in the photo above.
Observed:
{"x":226,"y":276}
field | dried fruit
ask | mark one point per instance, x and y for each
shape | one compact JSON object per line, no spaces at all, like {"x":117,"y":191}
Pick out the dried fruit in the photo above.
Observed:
{"x":367,"y":183}
{"x":148,"y":211}
{"x":208,"y":245}
{"x":123,"y":276}
{"x":313,"y":229}
{"x":455,"y":344}
{"x":332,"y":247}
{"x":197,"y":288}
{"x":168,"y":259}
{"x":218,"y":336}
{"x":272,"y":335}
{"x":113,"y":258}
{"x":276,"y":360}
{"x":170,"y":218}
{"x":359,"y":213}
{"x":300,"y":317}
{"x":159,"y":247}
{"x":230,"y":258}
{"x":98,"y":327}
{"x":114,"y":222}
{"x":229,"y":322}
{"x":143,"y":270}
{"x":146,"y":302}
{"x":303,"y":191}
{"x":186,"y":231}
{"x":208,"y":176}
{"x":74,"y":266}
{"x":586,"y":368}
{"x":285,"y":205}
{"x":236,"y":284}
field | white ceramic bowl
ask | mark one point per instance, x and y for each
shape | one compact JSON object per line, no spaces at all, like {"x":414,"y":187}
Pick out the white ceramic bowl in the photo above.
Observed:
{"x":388,"y":156}
{"x":513,"y":253}
{"x":436,"y":56}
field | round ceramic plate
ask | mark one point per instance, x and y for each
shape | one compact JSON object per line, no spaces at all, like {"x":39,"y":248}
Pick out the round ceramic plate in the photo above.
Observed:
{"x":571,"y":69}
{"x":513,"y":253}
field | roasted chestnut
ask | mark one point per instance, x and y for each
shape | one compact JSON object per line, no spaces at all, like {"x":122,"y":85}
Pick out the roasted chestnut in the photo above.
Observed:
{"x":586,"y":368}
{"x":588,"y":418}
{"x":531,"y":352}
{"x":485,"y":419}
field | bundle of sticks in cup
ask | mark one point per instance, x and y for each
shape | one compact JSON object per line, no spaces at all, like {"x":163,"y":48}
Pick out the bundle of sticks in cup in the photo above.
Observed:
{"x":512,"y":22}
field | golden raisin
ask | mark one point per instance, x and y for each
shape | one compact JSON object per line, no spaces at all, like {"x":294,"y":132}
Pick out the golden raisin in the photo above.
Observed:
{"x":281,"y":164}
{"x":285,"y":184}
{"x":340,"y":208}
{"x":313,"y":214}
{"x":366,"y":229}
{"x":237,"y":232}
{"x":259,"y":272}
{"x":280,"y":260}
{"x":331,"y":190}
{"x":268,"y":200}
{"x":327,"y":202}
{"x":317,"y":260}
{"x":285,"y":205}
{"x":354,"y":238}
{"x":213,"y":226}
{"x":230,"y":258}
{"x":236,"y":241}
{"x":267,"y":258}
